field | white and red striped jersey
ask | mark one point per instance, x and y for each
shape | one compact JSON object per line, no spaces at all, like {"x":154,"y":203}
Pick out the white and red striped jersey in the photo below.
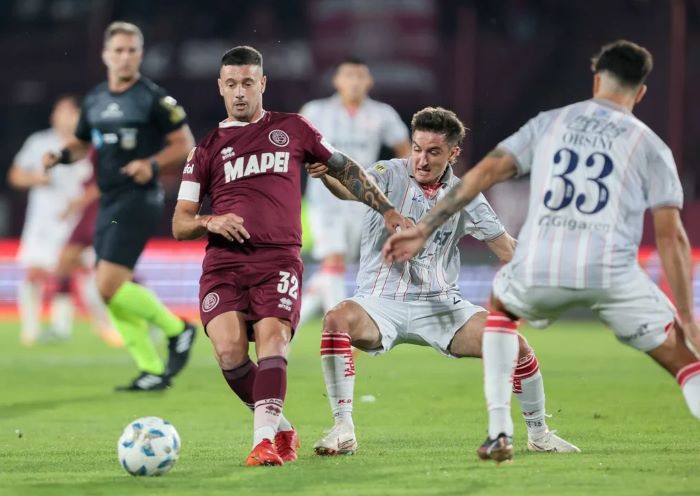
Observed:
{"x":432,"y":274}
{"x":359,"y":135}
{"x":595,"y":168}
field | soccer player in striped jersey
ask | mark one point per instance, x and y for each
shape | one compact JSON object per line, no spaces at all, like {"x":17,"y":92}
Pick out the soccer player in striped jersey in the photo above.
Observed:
{"x":419,"y":302}
{"x":595,"y":169}
{"x":357,"y":125}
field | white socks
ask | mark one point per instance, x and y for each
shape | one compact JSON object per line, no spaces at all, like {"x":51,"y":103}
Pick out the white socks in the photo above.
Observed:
{"x":500,"y":355}
{"x":689,"y":380}
{"x":93,"y":301}
{"x":528,"y":387}
{"x":338,"y":373}
{"x":29,"y":302}
{"x":62,"y":314}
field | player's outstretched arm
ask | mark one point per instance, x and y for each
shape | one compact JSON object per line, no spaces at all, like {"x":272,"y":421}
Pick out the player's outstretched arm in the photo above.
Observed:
{"x":674,"y":251}
{"x":319,"y":170}
{"x":496,"y":167}
{"x":353,"y":177}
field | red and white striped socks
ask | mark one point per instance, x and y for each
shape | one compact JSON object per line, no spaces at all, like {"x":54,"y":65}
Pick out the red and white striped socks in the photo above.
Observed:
{"x":689,"y":380}
{"x":528,"y":387}
{"x":500,"y":355}
{"x":338,"y":373}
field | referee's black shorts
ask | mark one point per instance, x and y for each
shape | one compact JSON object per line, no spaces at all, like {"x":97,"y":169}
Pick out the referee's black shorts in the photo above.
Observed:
{"x":125,"y":222}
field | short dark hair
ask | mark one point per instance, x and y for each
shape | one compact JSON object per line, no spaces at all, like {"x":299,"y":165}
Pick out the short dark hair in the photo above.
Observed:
{"x":242,"y":55}
{"x":441,"y":121}
{"x":628,"y":62}
{"x":122,"y":27}
{"x":353,"y":60}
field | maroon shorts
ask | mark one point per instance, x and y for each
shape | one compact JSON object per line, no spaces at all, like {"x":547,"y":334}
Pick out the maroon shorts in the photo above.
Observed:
{"x":259,"y":290}
{"x":84,"y":231}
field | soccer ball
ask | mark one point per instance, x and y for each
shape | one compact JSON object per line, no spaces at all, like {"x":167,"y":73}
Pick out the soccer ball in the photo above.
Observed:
{"x":148,"y":446}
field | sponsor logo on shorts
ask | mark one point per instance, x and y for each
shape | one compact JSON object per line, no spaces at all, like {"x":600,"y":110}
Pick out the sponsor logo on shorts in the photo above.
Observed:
{"x":285,"y":304}
{"x":227,"y":152}
{"x":209,"y":302}
{"x":278,"y":138}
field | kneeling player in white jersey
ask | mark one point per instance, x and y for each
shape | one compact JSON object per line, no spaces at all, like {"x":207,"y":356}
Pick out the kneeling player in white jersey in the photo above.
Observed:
{"x":595,"y":169}
{"x":418,"y":302}
{"x":46,"y":228}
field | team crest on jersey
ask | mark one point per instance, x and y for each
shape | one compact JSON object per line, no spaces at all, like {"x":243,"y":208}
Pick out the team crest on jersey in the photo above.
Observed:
{"x":381,"y":168}
{"x":175,"y":112}
{"x":209,"y":302}
{"x":227,"y":152}
{"x":278,"y":138}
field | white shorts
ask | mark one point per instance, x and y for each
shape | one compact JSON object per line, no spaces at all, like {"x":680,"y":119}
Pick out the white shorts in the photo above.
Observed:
{"x":637,"y":311}
{"x":42,"y":241}
{"x":425,"y":323}
{"x":337,"y":228}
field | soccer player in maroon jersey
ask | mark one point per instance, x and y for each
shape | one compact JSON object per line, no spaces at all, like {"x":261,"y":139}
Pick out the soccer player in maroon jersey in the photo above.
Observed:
{"x":250,"y":168}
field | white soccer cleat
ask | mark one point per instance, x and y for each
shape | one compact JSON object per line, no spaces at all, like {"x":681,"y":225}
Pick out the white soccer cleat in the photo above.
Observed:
{"x":340,"y":440}
{"x":549,"y":442}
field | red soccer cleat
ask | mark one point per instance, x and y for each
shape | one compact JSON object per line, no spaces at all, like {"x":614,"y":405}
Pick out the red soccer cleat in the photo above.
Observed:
{"x":287,"y":444}
{"x":264,"y":454}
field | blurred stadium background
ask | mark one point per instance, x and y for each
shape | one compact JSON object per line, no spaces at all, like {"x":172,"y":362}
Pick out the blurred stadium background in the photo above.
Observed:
{"x":496,"y":63}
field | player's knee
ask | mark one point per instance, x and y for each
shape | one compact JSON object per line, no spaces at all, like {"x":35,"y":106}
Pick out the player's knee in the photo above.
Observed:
{"x":337,"y":319}
{"x":228,"y":355}
{"x":524,"y":346}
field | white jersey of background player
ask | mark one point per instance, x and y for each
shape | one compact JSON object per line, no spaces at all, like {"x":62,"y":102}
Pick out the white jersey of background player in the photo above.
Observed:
{"x":46,"y":226}
{"x":418,"y":302}
{"x":358,"y":126}
{"x":595,"y":169}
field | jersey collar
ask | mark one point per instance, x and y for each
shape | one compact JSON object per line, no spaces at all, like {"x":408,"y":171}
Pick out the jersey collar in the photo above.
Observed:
{"x":226,"y":123}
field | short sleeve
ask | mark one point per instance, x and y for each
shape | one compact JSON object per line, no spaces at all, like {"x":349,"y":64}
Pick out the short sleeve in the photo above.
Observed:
{"x":167,"y":113}
{"x":380,"y":174}
{"x":26,"y":158}
{"x":195,"y":177}
{"x":83,"y":130}
{"x":316,"y":148}
{"x":480,"y":221}
{"x":521,"y":144}
{"x":393,"y":130}
{"x":663,"y":185}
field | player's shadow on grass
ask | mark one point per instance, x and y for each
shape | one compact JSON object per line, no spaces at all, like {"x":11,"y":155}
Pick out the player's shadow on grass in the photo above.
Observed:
{"x":26,"y":407}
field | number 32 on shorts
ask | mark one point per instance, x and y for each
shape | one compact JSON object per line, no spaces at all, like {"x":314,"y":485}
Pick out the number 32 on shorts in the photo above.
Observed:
{"x":289,"y":284}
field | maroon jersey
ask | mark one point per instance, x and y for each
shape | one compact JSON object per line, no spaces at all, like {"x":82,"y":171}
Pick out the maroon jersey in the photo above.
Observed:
{"x":254,"y":170}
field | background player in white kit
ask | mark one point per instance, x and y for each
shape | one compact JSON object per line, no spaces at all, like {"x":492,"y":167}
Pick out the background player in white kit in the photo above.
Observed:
{"x":595,"y":169}
{"x":358,"y":126}
{"x":46,"y":228}
{"x":418,"y":302}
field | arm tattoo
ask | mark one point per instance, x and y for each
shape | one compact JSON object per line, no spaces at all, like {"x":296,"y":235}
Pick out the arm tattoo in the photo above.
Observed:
{"x":351,"y":175}
{"x":449,"y":204}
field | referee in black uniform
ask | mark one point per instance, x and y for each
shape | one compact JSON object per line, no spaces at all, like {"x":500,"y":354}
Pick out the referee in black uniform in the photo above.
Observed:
{"x":137,"y":129}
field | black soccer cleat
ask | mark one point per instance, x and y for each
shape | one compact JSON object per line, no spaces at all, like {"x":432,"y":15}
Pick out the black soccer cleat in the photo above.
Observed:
{"x":498,"y":450}
{"x":146,"y":382}
{"x":179,"y":348}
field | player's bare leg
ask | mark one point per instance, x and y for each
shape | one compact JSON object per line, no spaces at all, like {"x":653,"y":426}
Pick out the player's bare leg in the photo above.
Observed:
{"x":679,"y":360}
{"x":346,"y":324}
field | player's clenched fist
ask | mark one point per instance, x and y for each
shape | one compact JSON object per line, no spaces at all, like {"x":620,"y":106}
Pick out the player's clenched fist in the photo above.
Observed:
{"x":49,"y":159}
{"x":230,"y":226}
{"x":394,"y":221}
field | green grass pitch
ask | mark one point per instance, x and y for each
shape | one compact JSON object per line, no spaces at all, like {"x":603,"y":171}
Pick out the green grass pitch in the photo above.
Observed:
{"x":417,"y":438}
